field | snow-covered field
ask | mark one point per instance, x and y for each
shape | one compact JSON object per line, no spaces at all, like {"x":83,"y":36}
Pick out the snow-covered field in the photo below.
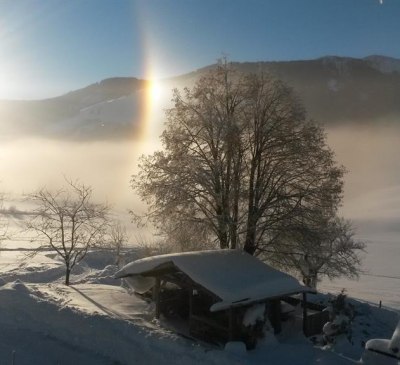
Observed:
{"x":377,"y":283}
{"x":98,"y":321}
{"x":380,"y":280}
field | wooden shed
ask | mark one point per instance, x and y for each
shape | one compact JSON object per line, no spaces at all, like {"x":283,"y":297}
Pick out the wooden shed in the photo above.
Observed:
{"x":214,"y":290}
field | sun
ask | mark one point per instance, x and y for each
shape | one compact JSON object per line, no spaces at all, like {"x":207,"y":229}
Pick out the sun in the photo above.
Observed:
{"x":155,"y":91}
{"x":154,"y":100}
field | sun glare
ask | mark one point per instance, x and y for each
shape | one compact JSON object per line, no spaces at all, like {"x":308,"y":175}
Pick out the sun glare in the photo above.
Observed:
{"x":155,"y":99}
{"x":155,"y":91}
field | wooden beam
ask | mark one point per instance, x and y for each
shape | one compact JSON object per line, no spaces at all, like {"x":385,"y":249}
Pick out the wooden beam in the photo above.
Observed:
{"x":156,"y":296}
{"x":274,"y":314}
{"x":190,"y":292}
{"x":190,"y":300}
{"x":210,"y":323}
{"x":305,"y":314}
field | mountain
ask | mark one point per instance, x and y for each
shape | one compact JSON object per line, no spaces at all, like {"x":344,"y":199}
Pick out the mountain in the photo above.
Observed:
{"x":339,"y":89}
{"x":384,"y":64}
{"x":334,"y":90}
{"x":77,"y":114}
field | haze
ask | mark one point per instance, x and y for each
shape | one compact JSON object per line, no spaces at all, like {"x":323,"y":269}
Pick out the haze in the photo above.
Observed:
{"x":51,"y":49}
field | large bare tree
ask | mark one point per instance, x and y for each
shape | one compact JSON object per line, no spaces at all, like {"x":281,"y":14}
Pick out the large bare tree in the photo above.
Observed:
{"x":68,"y":222}
{"x":240,"y":160}
{"x":195,"y":181}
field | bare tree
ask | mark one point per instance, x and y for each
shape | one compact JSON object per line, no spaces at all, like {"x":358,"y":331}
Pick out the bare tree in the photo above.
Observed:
{"x":3,"y":221}
{"x":184,"y":236}
{"x":241,"y":161}
{"x":68,"y":221}
{"x":119,"y":238}
{"x":324,"y":247}
{"x":195,"y":180}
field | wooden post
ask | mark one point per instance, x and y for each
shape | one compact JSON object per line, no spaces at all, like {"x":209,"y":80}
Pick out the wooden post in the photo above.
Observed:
{"x":190,"y":307}
{"x":156,"y":296}
{"x":274,"y":314}
{"x":231,"y":324}
{"x":277,"y":310}
{"x":190,"y":300}
{"x":305,"y":329}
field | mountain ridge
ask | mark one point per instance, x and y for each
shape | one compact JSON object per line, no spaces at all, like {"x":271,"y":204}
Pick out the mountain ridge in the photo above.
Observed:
{"x":333,"y":89}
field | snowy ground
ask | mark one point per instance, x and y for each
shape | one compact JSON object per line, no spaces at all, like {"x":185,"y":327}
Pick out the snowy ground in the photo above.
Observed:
{"x":97,"y":321}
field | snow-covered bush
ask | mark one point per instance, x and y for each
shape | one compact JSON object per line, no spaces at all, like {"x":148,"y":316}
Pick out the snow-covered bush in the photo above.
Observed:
{"x":342,"y":314}
{"x":256,"y":325}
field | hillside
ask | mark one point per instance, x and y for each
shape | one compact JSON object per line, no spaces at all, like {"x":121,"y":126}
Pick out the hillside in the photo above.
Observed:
{"x":335,"y":90}
{"x":102,"y":110}
{"x":340,"y":89}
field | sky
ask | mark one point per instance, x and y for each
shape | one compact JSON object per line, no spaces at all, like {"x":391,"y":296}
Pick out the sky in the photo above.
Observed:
{"x":49,"y":47}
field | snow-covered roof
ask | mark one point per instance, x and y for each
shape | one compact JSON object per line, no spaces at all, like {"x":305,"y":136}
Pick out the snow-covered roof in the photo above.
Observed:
{"x":233,"y":275}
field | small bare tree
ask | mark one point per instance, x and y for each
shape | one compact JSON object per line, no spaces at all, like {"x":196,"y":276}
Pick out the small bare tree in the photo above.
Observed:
{"x":69,"y":222}
{"x":324,"y":247}
{"x":119,"y":238}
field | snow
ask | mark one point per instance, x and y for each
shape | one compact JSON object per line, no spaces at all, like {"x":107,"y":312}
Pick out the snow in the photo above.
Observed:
{"x":92,"y":322}
{"x":395,"y":342}
{"x":380,"y":279}
{"x":111,"y":113}
{"x":391,"y":347}
{"x":235,"y":347}
{"x":140,"y":284}
{"x":233,"y":275}
{"x":253,"y":314}
{"x":81,"y":323}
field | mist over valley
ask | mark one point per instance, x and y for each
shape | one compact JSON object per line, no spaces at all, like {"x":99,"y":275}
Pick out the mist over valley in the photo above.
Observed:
{"x":96,"y":134}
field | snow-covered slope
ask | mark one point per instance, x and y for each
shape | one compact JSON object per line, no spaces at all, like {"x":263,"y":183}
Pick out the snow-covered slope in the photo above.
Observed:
{"x":89,"y":323}
{"x":112,"y":117}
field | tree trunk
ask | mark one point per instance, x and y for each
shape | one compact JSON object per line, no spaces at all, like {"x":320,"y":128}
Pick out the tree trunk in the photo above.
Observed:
{"x":250,"y":243}
{"x":223,"y":240}
{"x":222,"y":229}
{"x":311,"y":280}
{"x":67,"y":274}
{"x":235,"y":206}
{"x":251,"y":229}
{"x":222,"y":232}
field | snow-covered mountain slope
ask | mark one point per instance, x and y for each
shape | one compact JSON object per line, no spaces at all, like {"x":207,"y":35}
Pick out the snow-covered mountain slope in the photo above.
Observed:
{"x":109,"y":118}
